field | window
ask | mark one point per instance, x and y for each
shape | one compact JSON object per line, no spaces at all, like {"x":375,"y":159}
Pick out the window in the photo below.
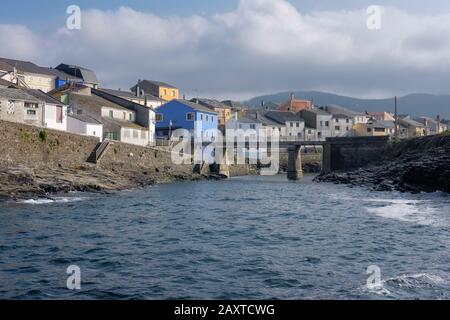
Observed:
{"x":253,"y":126}
{"x":321,"y":123}
{"x":297,"y":125}
{"x":111,"y":114}
{"x":319,"y":134}
{"x":124,"y":116}
{"x":369,"y":129}
{"x":173,"y":93}
{"x":292,"y":124}
{"x":347,"y":120}
{"x":190,"y":116}
{"x":165,"y":92}
{"x":336,"y":120}
{"x":135,"y":134}
{"x":379,"y":130}
{"x":207,"y":118}
{"x":31,"y":112}
{"x":337,"y":128}
{"x":201,"y":117}
{"x":130,"y":116}
{"x":159,"y":117}
{"x":327,"y":123}
{"x":59,"y":114}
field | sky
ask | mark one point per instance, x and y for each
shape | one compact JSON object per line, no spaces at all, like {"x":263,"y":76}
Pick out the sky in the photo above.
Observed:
{"x":236,"y":49}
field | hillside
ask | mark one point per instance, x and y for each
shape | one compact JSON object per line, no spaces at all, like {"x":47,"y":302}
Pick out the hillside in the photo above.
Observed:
{"x":413,"y":104}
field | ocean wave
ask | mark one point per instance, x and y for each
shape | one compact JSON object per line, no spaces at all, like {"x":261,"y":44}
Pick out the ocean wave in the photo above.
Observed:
{"x":391,"y":286}
{"x":417,"y":280}
{"x":410,"y":211}
{"x":53,"y":200}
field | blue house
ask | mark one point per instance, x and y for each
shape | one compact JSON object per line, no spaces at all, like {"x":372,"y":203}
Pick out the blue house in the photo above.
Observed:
{"x":183,"y":114}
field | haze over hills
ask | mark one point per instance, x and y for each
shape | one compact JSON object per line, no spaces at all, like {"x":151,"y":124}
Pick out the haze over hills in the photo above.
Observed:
{"x":412,"y":104}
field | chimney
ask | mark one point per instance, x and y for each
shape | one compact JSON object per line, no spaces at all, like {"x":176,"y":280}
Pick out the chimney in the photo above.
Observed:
{"x":138,"y":90}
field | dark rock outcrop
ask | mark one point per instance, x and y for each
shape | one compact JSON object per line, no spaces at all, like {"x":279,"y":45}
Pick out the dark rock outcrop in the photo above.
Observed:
{"x":414,"y":165}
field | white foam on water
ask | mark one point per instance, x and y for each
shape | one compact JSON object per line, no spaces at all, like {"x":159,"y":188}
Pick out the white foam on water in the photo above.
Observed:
{"x":417,"y":280}
{"x":54,"y":200}
{"x":413,"y":211}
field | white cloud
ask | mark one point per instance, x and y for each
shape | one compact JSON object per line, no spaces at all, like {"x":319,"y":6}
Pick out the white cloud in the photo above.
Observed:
{"x":262,"y":46}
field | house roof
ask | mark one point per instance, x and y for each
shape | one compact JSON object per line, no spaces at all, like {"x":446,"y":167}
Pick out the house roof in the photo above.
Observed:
{"x":317,"y":111}
{"x":259,"y":114}
{"x":341,"y":116}
{"x":210,"y":103}
{"x":383,"y":124}
{"x":118,"y":100}
{"x":84,"y":118}
{"x":17,"y":94}
{"x":196,"y":106}
{"x":77,"y":71}
{"x":23,"y":66}
{"x":94,"y":101}
{"x":121,"y":123}
{"x":248,"y":120}
{"x":234,"y":105}
{"x":157,"y":83}
{"x":5,"y":83}
{"x":339,"y":110}
{"x":42,"y":96}
{"x":283,"y":116}
{"x":410,"y":122}
{"x":130,"y":94}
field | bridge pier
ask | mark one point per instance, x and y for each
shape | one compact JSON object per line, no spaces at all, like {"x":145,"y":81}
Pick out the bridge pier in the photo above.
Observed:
{"x":294,"y":171}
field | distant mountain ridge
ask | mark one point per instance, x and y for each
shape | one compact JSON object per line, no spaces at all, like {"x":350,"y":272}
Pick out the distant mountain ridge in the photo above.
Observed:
{"x":419,"y":104}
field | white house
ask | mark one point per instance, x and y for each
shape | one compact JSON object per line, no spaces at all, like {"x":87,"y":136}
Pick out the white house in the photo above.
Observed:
{"x":84,"y":125}
{"x":54,"y":111}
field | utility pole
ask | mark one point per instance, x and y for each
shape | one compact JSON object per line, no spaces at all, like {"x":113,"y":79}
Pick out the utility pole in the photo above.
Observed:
{"x":396,"y":118}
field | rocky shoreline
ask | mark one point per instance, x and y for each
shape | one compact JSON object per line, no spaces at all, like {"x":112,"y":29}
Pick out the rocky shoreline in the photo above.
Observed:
{"x":18,"y":183}
{"x":414,"y":165}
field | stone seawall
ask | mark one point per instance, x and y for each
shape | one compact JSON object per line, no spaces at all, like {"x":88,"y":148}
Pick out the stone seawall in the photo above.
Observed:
{"x":36,"y":165}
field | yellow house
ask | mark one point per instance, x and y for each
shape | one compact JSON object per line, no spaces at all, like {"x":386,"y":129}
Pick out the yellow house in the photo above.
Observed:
{"x":159,"y":89}
{"x":223,"y":110}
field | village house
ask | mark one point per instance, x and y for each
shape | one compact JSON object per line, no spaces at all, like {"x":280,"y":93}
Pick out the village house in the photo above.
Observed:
{"x":54,"y":112}
{"x":159,"y":89}
{"x":18,"y":106}
{"x":141,"y":97}
{"x":29,"y":75}
{"x":223,"y":111}
{"x":200,"y":121}
{"x":145,"y":116}
{"x":293,"y":125}
{"x":374,"y":128}
{"x":342,"y":125}
{"x":320,"y":121}
{"x":84,"y":125}
{"x":295,"y":105}
{"x":119,"y":123}
{"x":68,"y":72}
{"x":268,"y":124}
{"x":358,"y":117}
{"x":47,"y":113}
{"x":409,"y":128}
{"x":381,"y":116}
{"x":431,"y":125}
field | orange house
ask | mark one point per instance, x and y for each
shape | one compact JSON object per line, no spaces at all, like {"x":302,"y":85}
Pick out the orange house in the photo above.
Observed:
{"x":295,"y":105}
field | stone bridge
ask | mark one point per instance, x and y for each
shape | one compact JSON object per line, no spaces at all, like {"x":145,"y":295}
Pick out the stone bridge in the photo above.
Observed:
{"x":338,"y":153}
